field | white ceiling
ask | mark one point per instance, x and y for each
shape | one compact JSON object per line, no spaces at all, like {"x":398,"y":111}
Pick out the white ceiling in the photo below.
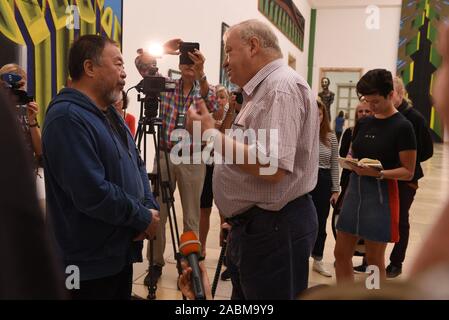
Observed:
{"x":319,"y":4}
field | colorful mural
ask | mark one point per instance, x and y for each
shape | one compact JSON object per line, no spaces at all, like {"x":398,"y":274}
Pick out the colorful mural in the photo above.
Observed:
{"x":418,"y":58}
{"x":38,"y":34}
{"x":286,"y":17}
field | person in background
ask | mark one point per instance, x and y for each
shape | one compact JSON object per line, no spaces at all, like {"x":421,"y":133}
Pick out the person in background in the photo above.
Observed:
{"x":434,"y":252}
{"x":207,"y":196}
{"x":339,"y":124}
{"x":188,"y":177}
{"x":362,"y":110}
{"x":327,"y":188}
{"x":27,"y":116}
{"x":121,"y":106}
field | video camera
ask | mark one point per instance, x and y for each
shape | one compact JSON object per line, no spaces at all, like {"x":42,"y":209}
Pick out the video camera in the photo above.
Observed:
{"x":152,"y":86}
{"x":12,"y":82}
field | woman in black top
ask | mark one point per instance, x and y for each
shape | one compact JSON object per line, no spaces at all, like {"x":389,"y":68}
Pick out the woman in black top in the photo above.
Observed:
{"x":362,"y":110}
{"x":371,"y":207}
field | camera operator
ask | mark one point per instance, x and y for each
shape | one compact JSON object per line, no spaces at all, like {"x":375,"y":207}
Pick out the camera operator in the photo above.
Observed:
{"x":26,"y":114}
{"x":189,"y":177}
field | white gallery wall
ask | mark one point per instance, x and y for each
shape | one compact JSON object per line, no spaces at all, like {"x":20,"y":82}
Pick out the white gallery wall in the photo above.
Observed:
{"x":146,"y":21}
{"x":345,"y":37}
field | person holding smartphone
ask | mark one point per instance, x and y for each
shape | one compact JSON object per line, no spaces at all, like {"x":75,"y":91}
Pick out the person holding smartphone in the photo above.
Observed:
{"x":26,"y":115}
{"x":189,"y":177}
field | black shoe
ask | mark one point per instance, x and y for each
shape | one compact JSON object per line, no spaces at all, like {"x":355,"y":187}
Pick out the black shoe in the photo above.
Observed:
{"x":225,"y":275}
{"x":156,"y":272}
{"x":360,"y":269}
{"x":393,"y":271}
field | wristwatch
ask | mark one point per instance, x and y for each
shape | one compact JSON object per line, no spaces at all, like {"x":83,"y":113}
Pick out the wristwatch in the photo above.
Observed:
{"x":34,"y":125}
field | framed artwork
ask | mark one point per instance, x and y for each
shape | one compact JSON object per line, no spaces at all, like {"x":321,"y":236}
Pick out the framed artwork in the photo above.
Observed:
{"x":174,"y":74}
{"x":286,"y":17}
{"x":224,"y":80}
{"x":37,"y":35}
{"x":418,"y":58}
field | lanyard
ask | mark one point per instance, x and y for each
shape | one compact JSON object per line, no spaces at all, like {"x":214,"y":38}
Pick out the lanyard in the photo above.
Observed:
{"x":181,"y":94}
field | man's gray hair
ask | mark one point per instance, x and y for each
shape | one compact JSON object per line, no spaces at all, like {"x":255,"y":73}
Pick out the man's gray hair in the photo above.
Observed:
{"x":262,"y":31}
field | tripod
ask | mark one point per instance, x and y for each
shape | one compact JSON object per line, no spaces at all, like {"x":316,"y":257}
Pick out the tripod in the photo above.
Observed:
{"x":220,"y":262}
{"x":148,"y":122}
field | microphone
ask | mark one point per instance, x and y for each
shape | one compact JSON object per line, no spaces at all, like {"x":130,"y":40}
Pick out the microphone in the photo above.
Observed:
{"x":190,"y":248}
{"x":139,"y":86}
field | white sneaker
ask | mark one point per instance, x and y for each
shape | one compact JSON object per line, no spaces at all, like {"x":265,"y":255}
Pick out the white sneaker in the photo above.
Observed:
{"x":318,"y":266}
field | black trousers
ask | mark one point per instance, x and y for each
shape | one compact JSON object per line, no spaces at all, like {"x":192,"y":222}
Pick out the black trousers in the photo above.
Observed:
{"x":321,"y":199}
{"x":338,"y":134}
{"x":406,"y":196}
{"x":268,"y":252}
{"x":116,"y":287}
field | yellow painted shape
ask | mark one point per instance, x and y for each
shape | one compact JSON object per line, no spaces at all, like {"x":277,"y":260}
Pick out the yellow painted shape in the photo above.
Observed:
{"x":87,"y":12}
{"x":34,"y":20}
{"x":57,"y":9}
{"x":107,"y":20}
{"x":432,"y":118}
{"x":42,"y":72}
{"x":100,"y":4}
{"x":8,"y":25}
{"x":419,"y":40}
{"x":117,"y":31}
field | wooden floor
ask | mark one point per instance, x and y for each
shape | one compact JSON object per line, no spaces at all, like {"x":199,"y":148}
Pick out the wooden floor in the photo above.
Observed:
{"x":430,"y":198}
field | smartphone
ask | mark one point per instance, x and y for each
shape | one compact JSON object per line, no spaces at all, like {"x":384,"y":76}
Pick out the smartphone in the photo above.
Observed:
{"x":238,"y":96}
{"x":186,"y":47}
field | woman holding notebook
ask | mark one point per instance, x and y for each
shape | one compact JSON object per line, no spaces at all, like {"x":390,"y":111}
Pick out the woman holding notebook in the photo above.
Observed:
{"x":371,"y":208}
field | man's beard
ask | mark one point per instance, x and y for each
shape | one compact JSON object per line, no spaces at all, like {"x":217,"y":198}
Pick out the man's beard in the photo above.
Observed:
{"x":111,"y":97}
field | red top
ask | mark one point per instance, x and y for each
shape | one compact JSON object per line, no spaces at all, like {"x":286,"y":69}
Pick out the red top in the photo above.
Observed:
{"x":131,"y":123}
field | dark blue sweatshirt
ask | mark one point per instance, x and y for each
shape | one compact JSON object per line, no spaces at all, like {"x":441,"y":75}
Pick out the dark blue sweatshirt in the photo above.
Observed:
{"x":97,"y":188}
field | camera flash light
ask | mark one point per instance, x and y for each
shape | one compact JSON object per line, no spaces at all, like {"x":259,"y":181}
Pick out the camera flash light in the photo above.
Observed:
{"x":155,"y":49}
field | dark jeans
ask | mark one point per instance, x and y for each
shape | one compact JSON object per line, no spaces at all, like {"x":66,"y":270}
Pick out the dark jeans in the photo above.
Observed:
{"x":116,"y":287}
{"x":338,"y":134}
{"x":406,"y":196}
{"x":321,"y":199}
{"x":268,"y":251}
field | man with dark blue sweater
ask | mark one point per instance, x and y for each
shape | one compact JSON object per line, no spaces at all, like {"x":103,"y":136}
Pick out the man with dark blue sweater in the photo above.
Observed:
{"x":98,"y":195}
